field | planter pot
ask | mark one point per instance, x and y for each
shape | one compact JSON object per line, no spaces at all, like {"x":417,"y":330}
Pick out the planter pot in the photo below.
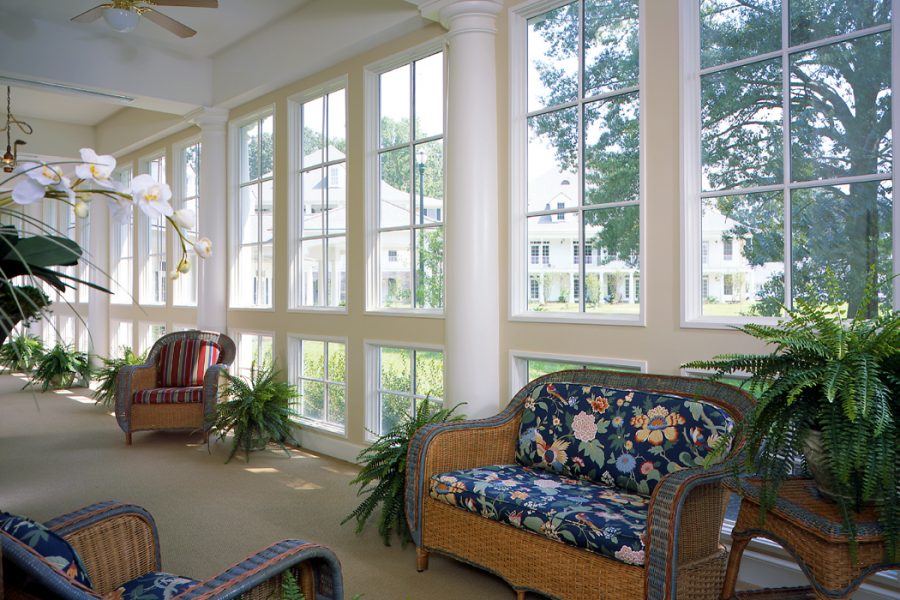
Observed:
{"x":817,"y":462}
{"x":62,"y":381}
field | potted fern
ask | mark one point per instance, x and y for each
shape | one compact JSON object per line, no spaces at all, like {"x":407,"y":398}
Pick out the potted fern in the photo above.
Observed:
{"x":21,"y":353}
{"x":59,"y":366}
{"x":258,"y":411}
{"x":383,"y":472}
{"x":828,"y":393}
{"x":105,"y":376}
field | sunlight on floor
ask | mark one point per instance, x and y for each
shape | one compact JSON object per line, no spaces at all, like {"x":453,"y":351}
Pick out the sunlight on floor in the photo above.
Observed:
{"x":302,"y":484}
{"x":261,"y":470}
{"x":336,"y":471}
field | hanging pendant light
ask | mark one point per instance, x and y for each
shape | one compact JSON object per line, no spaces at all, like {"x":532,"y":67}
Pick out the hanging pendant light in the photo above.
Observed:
{"x":12,"y":148}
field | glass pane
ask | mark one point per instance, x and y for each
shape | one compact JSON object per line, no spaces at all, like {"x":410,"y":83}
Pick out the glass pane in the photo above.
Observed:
{"x":266,"y":207}
{"x":537,"y":368}
{"x":550,"y":265}
{"x":337,"y":198}
{"x":396,"y":286}
{"x":192,"y":170}
{"x":732,"y":30}
{"x":245,"y":281}
{"x":313,"y":394}
{"x":429,"y":96}
{"x":611,"y":40}
{"x":428,"y":187}
{"x":313,"y":195}
{"x":742,"y":260}
{"x":313,"y":359}
{"x":313,"y":132}
{"x":337,"y":271}
{"x":430,"y":374}
{"x":394,"y":106}
{"x":841,"y":109}
{"x":396,"y":188}
{"x":552,"y":159}
{"x":741,"y":126}
{"x":553,"y":57}
{"x":249,"y":152}
{"x":267,"y":147}
{"x":612,"y":154}
{"x":313,"y":252}
{"x":430,"y":267}
{"x":337,"y":125}
{"x":858,"y":236}
{"x":393,"y":410}
{"x":612,"y":281}
{"x":813,"y":20}
{"x":396,"y":371}
{"x":248,"y":219}
{"x":336,"y":362}
{"x":336,"y":404}
{"x":264,"y":280}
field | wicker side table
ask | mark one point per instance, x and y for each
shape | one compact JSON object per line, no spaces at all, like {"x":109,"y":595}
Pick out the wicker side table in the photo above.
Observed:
{"x":812,"y":530}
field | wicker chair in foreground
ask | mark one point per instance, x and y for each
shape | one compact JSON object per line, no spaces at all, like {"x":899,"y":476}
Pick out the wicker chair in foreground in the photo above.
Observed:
{"x":178,"y":386}
{"x":587,"y":486}
{"x":111,"y":551}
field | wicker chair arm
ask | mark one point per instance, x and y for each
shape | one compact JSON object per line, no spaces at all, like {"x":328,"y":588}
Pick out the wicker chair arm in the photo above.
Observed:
{"x":456,"y":445}
{"x":315,"y":568}
{"x":117,"y":542}
{"x":131,"y":379}
{"x":212,"y":389}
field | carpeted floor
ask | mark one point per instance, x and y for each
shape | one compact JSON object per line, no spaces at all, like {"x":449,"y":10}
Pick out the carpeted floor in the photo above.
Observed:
{"x":59,"y":451}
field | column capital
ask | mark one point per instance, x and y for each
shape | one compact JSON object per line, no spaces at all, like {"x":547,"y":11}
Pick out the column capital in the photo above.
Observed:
{"x":459,"y":16}
{"x":208,"y":117}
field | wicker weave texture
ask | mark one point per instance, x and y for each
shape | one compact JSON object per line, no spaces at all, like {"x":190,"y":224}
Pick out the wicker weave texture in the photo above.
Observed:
{"x":166,"y":416}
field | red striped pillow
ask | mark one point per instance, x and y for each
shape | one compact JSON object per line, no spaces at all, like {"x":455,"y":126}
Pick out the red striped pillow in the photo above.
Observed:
{"x":184,"y":362}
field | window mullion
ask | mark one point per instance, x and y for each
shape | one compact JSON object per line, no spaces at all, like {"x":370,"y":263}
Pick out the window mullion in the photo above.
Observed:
{"x":788,"y":296}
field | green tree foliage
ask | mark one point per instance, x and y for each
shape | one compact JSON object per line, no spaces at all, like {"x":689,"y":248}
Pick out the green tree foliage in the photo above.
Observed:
{"x":260,"y":152}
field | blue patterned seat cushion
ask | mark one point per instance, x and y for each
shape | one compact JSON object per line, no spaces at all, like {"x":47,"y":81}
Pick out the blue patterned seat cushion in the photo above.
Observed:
{"x":152,"y":586}
{"x":579,"y":512}
{"x":627,"y":438}
{"x":55,"y":550}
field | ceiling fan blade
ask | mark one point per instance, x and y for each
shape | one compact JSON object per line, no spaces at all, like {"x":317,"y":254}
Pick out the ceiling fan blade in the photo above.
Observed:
{"x":188,"y":3}
{"x":91,"y":15}
{"x":176,"y":27}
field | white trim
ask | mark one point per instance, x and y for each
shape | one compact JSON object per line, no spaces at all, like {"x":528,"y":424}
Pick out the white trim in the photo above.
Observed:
{"x":327,"y":444}
{"x":518,"y":16}
{"x":295,"y":373}
{"x":518,"y":364}
{"x":144,"y":224}
{"x":178,"y":196}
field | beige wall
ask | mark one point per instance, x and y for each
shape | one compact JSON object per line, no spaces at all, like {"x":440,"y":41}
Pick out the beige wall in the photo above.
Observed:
{"x":663,"y":343}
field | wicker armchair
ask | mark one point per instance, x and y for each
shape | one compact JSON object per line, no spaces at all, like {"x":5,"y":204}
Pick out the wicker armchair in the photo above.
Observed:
{"x":178,"y":386}
{"x":118,"y":546}
{"x":682,"y":555}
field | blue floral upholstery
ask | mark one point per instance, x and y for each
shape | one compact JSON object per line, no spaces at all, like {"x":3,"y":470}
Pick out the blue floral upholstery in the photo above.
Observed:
{"x":54,"y":549}
{"x":627,"y":438}
{"x":152,"y":586}
{"x":584,"y":514}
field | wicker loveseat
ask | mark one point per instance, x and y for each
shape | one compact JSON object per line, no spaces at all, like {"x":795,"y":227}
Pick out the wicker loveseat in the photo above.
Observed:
{"x":178,"y":385}
{"x":588,"y":485}
{"x":111,"y":551}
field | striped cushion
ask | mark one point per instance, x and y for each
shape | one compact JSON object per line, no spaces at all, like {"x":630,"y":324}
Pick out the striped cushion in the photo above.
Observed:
{"x":184,"y":362}
{"x":169,"y":395}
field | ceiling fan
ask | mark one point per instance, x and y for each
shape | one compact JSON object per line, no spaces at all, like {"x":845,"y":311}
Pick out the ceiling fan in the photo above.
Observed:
{"x":123,"y":15}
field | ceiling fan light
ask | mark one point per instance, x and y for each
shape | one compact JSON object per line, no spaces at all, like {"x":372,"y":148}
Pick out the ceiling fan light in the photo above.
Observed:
{"x":121,"y":19}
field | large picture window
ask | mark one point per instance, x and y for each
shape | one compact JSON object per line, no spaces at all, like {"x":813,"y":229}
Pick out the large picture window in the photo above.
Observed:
{"x":402,"y":377}
{"x":579,"y":194}
{"x":153,"y":272}
{"x":410,"y":189}
{"x":252,"y":230}
{"x":793,"y":171}
{"x":318,"y":368}
{"x":184,"y":289}
{"x":319,"y":270}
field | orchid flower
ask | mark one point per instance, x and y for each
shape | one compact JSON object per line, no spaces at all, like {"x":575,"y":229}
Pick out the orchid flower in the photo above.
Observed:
{"x":203,"y":247}
{"x":96,"y":168}
{"x":151,"y":196}
{"x":185,"y":218}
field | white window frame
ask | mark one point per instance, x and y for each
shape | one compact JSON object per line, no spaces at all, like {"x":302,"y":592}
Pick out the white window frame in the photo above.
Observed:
{"x":114,"y":325}
{"x":234,"y":201}
{"x":373,"y":377}
{"x":519,"y":248}
{"x":144,"y":329}
{"x":690,"y":132}
{"x":518,"y":364}
{"x":295,"y":188}
{"x":122,"y":295}
{"x":179,"y":195}
{"x":235,"y":334}
{"x":373,"y":183}
{"x":295,"y":374}
{"x":145,"y":226}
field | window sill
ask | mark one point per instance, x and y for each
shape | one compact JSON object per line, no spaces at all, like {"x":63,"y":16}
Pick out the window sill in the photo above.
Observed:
{"x":253,"y":308}
{"x":405,"y":312}
{"x":320,"y":310}
{"x":579,"y":318}
{"x":322,"y":427}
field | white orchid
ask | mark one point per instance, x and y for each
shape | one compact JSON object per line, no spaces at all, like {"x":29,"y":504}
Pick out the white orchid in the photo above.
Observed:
{"x":81,"y":209}
{"x":152,"y":196}
{"x":43,"y":173}
{"x":203,"y":247}
{"x":185,"y":218}
{"x":96,"y":168}
{"x":119,"y":209}
{"x":184,"y":266}
{"x":28,"y":191}
{"x":46,"y":176}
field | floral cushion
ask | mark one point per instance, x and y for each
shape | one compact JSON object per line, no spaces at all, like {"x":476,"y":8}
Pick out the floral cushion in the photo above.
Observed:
{"x":627,"y":438}
{"x":170,"y":395}
{"x":152,"y":586}
{"x":579,"y":512}
{"x":184,"y":362}
{"x":55,"y":550}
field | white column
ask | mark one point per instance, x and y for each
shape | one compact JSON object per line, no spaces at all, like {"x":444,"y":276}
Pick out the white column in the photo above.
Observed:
{"x":471,"y":291}
{"x":212,"y":288}
{"x":98,"y":302}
